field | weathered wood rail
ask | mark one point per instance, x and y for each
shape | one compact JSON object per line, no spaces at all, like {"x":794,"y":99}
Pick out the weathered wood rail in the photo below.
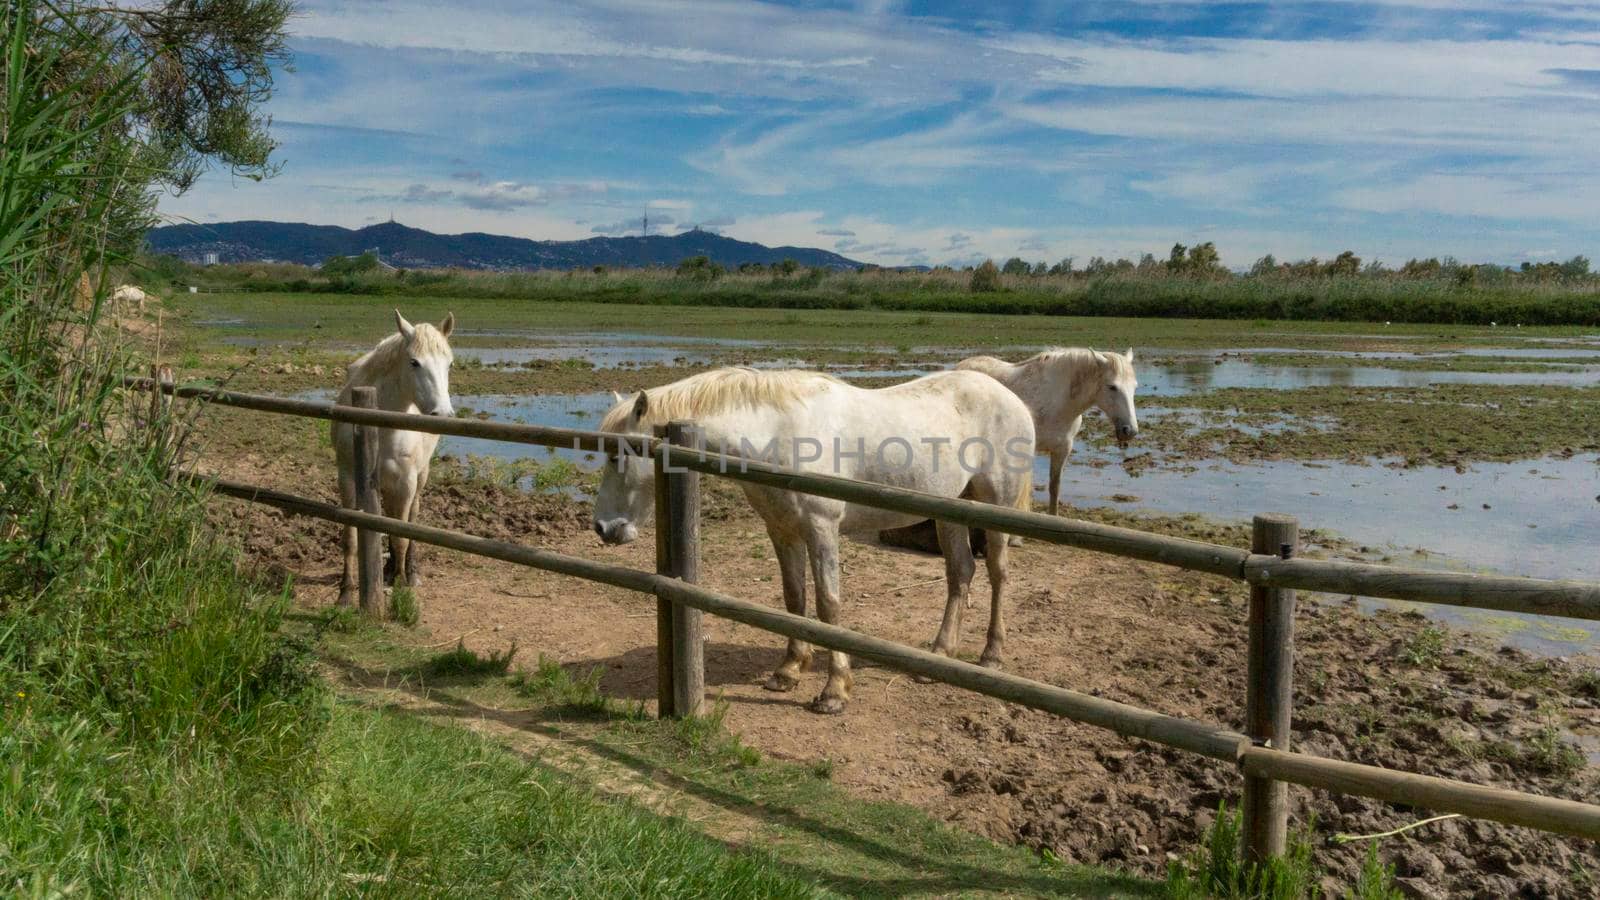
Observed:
{"x":1262,"y":755}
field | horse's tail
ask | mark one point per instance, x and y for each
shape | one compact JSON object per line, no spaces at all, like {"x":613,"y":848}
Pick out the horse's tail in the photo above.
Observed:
{"x":1024,"y":498}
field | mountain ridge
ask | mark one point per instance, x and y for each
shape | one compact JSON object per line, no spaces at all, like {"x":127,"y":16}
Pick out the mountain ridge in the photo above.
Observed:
{"x":415,"y":248}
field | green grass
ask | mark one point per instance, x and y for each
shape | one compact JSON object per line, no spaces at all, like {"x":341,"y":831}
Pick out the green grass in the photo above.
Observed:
{"x":1215,"y":868}
{"x":802,"y":821}
{"x":459,"y":661}
{"x":403,"y":607}
{"x":399,"y":808}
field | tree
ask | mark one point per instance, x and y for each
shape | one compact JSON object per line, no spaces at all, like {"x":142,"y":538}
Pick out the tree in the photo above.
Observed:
{"x":1421,"y":268}
{"x":1345,"y":265}
{"x":1064,"y":267}
{"x":787,"y":267}
{"x":1266,"y":265}
{"x":1016,"y":265}
{"x":1204,"y":260}
{"x":350,"y":265}
{"x":1176,"y":259}
{"x":1040,"y":268}
{"x":985,"y":278}
{"x":700,"y":268}
{"x":203,"y":70}
{"x":1575,"y":268}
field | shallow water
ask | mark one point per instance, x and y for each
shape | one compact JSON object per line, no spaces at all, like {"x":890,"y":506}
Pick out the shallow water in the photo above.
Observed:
{"x":1541,"y":520}
{"x":1537,"y":518}
{"x":1175,"y":376}
{"x":1541,"y":516}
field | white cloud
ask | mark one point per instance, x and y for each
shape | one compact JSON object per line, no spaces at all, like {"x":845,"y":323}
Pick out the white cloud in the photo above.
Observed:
{"x":1493,"y":196}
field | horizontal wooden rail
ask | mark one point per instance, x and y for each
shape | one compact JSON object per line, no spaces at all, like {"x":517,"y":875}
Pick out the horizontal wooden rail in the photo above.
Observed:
{"x":1425,"y":792}
{"x":1580,"y":600}
{"x":1444,"y":795}
{"x":1506,"y":593}
{"x":1128,"y":720}
{"x":1198,"y":555}
{"x":576,"y":566}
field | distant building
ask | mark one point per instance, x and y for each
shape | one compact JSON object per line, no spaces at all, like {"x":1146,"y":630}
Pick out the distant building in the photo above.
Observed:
{"x":211,"y":258}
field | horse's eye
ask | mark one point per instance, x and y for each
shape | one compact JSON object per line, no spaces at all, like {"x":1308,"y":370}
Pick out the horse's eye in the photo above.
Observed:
{"x":415,"y":364}
{"x":1112,"y":387}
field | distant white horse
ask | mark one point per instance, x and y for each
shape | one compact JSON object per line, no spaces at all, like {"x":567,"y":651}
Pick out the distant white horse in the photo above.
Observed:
{"x":411,"y":370}
{"x":1059,"y":386}
{"x":130,"y":294}
{"x":955,"y":434}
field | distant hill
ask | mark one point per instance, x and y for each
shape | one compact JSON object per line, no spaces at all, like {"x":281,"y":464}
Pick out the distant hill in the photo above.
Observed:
{"x":414,"y":248}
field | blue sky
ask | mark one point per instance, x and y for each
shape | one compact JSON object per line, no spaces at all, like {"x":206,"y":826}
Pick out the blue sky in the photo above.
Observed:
{"x":933,"y":132}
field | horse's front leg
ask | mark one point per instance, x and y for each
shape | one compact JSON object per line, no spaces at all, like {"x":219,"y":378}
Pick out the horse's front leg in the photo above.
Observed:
{"x":397,"y":499}
{"x":958,"y":569}
{"x":413,"y":514}
{"x":1058,"y":460}
{"x":823,"y":548}
{"x":792,"y":564}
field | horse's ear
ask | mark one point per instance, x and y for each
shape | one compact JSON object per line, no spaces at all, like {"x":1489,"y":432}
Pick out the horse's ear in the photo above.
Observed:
{"x":616,"y":397}
{"x":1130,"y":354}
{"x":641,"y":406}
{"x":448,"y":325}
{"x":406,"y":328}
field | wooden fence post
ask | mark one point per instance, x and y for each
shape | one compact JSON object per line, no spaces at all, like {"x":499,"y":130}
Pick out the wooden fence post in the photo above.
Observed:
{"x":369,"y":547}
{"x":680,"y":642}
{"x":1269,"y":697}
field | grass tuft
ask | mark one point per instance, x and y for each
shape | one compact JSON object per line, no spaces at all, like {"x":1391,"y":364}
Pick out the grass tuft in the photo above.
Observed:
{"x":460,"y":661}
{"x":403,"y":607}
{"x":1216,"y":868}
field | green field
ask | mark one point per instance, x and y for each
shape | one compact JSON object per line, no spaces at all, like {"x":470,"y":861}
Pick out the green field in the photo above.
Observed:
{"x":360,"y":318}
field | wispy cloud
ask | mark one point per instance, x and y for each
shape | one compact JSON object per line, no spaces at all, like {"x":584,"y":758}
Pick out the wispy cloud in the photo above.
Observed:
{"x":920,"y":133}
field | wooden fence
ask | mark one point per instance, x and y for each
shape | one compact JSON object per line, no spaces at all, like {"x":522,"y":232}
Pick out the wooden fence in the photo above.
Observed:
{"x":1262,"y":752}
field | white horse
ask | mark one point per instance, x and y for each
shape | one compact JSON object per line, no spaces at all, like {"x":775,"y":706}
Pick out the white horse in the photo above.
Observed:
{"x":411,"y":370}
{"x":955,"y":434}
{"x":1059,"y":386}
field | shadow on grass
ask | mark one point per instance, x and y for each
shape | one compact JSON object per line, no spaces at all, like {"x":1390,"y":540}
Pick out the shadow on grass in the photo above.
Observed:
{"x":897,"y":837}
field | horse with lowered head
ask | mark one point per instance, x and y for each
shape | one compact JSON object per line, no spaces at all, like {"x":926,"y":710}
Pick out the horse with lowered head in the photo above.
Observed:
{"x":917,"y":435}
{"x":1059,"y":386}
{"x":411,"y":370}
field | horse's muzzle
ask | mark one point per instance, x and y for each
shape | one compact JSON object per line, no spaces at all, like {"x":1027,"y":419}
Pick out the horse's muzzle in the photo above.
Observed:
{"x":616,"y":531}
{"x":1126,"y":434}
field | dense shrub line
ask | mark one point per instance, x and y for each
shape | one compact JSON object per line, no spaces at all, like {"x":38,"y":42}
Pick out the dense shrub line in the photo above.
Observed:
{"x":1354,"y":298}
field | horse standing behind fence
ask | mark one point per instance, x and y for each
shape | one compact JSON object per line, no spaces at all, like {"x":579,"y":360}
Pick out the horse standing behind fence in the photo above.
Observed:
{"x":1059,"y":386}
{"x":910,"y":435}
{"x":411,"y":371}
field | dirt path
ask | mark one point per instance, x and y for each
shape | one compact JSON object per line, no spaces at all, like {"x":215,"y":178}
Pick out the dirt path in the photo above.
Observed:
{"x":1387,"y":690}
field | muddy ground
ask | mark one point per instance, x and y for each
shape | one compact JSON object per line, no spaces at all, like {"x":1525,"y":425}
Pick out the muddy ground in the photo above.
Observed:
{"x":1389,"y":690}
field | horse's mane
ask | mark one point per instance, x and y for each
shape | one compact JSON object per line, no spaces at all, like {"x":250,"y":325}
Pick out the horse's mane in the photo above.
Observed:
{"x":426,"y":340}
{"x":719,"y":390}
{"x":1079,"y":356}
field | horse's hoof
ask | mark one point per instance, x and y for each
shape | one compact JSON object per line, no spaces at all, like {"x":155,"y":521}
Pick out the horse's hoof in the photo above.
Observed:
{"x":346,"y":598}
{"x":826,"y":706}
{"x":1014,"y":541}
{"x":781,"y":683}
{"x":922,"y":679}
{"x":990,"y":662}
{"x":413,"y":580}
